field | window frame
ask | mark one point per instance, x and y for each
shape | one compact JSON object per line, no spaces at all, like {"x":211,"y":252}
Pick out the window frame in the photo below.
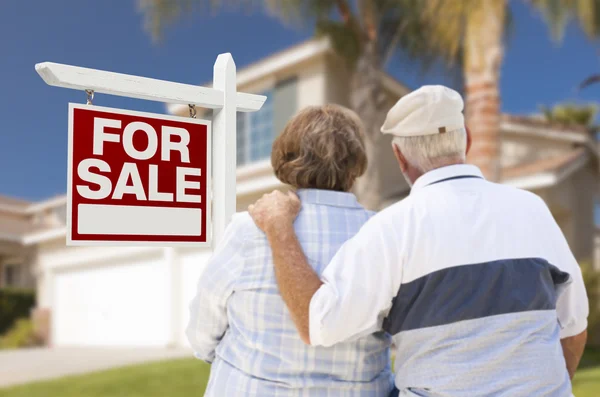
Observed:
{"x":245,"y":119}
{"x":14,"y":274}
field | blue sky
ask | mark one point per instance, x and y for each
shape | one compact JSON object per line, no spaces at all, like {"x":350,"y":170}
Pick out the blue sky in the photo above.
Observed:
{"x":109,"y":35}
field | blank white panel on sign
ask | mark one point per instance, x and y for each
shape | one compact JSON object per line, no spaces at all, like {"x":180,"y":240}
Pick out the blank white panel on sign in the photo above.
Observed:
{"x":138,"y":220}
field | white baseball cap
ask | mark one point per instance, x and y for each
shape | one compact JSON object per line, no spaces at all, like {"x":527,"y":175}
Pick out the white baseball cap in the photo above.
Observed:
{"x":432,"y":109}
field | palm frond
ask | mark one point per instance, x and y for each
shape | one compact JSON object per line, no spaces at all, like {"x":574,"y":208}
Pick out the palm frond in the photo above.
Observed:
{"x":299,"y":10}
{"x":429,"y":34}
{"x":343,"y":33}
{"x":593,"y":79}
{"x":160,"y":13}
{"x":559,"y":13}
{"x":343,"y":38}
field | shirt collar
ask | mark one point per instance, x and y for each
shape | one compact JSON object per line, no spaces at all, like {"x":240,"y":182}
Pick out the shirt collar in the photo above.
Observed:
{"x":328,"y":197}
{"x":442,"y":173}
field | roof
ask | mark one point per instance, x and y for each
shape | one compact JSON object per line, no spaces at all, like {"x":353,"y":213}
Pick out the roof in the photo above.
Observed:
{"x":13,"y":202}
{"x":22,"y":207}
{"x":280,"y":61}
{"x":580,"y":147}
{"x":20,"y":224}
{"x":25,"y":232}
{"x":546,"y":172}
{"x":556,"y":163}
{"x":533,"y":126}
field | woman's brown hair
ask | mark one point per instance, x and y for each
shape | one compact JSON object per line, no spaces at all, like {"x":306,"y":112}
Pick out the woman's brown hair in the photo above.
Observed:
{"x":321,"y":147}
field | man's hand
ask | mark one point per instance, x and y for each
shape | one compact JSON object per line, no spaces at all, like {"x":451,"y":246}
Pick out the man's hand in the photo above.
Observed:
{"x":275,"y":209}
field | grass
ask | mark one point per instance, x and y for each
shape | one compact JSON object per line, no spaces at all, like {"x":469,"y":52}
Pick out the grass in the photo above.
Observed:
{"x":587,"y":378}
{"x":183,"y":377}
{"x":188,"y":377}
{"x":587,"y":382}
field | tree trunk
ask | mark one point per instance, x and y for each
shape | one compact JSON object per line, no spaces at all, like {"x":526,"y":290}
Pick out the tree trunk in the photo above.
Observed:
{"x":483,"y":58}
{"x":382,"y":184}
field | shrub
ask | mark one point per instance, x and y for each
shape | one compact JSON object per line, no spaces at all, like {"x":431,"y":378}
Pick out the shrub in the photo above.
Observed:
{"x":591,"y":278}
{"x":20,"y":335}
{"x":14,"y":304}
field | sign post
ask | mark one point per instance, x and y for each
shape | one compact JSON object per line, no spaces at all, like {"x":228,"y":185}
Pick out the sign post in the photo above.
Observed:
{"x":130,"y":179}
{"x":224,"y":143}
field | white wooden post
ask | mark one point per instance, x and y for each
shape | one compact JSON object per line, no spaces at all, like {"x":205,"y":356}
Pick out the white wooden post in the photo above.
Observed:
{"x":173,"y":260}
{"x":224,"y":147}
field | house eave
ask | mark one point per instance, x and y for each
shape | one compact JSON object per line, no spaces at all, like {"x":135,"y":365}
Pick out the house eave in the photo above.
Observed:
{"x":289,"y":58}
{"x":548,"y":179}
{"x":35,"y":207}
{"x":46,"y":235}
{"x":272,"y":65}
{"x":10,"y":238}
{"x":543,"y":132}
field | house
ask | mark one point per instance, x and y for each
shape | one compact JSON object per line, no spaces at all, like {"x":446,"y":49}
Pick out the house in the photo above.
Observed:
{"x":22,"y":226}
{"x":138,"y":296}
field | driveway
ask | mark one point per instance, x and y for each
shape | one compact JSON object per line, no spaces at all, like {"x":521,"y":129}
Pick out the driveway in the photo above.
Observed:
{"x":27,"y":365}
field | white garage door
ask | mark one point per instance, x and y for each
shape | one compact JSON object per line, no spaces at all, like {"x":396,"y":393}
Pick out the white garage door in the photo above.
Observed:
{"x":125,"y":304}
{"x":193,"y":264}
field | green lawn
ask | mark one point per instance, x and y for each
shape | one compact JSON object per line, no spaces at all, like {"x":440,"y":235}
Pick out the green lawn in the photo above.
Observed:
{"x":184,"y":377}
{"x":188,"y":377}
{"x":587,"y":382}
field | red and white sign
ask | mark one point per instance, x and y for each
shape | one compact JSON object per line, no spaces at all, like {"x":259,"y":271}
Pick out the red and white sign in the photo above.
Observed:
{"x":137,"y":177}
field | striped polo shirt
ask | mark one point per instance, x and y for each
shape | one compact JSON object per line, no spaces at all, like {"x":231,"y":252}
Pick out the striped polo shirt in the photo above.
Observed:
{"x":474,"y":280}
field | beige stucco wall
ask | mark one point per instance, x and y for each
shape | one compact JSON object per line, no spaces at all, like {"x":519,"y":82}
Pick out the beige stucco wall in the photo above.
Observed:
{"x":584,"y":192}
{"x":311,"y":84}
{"x":572,"y":205}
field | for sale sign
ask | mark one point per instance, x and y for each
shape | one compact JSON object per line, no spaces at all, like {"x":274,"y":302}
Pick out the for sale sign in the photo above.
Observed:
{"x":137,"y":178}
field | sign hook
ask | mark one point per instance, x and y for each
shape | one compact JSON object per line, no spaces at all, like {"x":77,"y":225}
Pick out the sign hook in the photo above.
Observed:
{"x":192,"y":111}
{"x":90,"y":96}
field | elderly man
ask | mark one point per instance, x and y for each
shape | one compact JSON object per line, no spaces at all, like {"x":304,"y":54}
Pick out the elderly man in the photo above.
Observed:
{"x":474,"y":280}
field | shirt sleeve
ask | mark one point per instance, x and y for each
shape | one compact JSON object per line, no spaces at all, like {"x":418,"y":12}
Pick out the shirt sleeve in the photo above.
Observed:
{"x":208,"y":309}
{"x":358,"y":286}
{"x":572,"y":306}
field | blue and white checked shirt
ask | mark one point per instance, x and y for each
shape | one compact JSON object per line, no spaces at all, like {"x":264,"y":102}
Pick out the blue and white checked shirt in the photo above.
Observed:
{"x":240,"y":323}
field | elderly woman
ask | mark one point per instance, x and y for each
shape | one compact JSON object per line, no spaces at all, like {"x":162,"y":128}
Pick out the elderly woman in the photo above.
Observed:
{"x":239,"y":322}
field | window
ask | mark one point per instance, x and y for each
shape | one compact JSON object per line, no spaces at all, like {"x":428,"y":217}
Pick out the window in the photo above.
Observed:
{"x":10,"y":275}
{"x":241,"y":138}
{"x":255,"y":133}
{"x":261,"y":130}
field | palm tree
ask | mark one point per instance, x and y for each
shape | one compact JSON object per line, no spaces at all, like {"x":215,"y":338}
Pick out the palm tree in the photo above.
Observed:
{"x":467,"y":34}
{"x":478,"y":28}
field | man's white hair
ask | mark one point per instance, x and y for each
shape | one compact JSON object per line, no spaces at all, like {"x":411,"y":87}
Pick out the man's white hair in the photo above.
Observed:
{"x":429,"y":152}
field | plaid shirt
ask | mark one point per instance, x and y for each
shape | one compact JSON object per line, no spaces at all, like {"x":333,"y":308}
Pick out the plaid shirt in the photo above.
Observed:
{"x":240,"y":324}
